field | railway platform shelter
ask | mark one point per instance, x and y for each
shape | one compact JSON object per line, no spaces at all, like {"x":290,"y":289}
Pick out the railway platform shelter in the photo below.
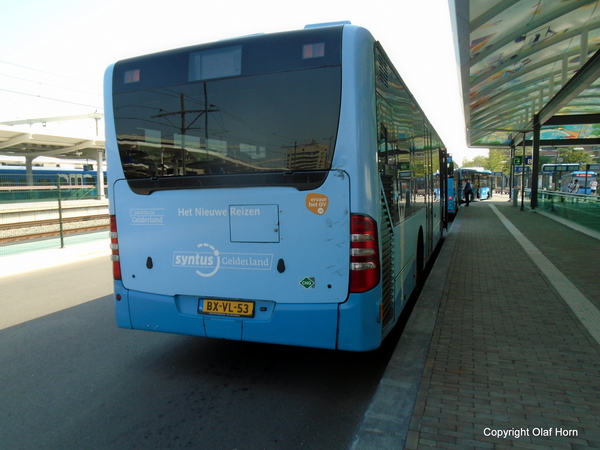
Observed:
{"x":33,"y":147}
{"x":502,"y":349}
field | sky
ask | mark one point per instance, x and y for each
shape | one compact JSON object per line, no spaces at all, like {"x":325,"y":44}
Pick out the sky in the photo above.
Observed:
{"x":53,"y":54}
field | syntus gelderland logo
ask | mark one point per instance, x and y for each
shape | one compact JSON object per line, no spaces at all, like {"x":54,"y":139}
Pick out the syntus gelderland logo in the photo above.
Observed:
{"x":207,"y":262}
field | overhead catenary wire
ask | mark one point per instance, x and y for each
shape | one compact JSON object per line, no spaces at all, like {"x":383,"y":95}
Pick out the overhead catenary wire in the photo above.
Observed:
{"x":52,"y":99}
{"x":40,"y":83}
{"x":50,"y":73}
{"x":69,"y":99}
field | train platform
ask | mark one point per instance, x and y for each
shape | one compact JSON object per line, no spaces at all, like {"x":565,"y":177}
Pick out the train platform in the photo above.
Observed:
{"x":502,"y":349}
{"x":17,"y":207}
{"x":30,"y":257}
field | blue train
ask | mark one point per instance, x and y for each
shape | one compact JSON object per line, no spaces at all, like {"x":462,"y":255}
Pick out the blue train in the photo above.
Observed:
{"x":17,"y":186}
{"x":48,"y":176}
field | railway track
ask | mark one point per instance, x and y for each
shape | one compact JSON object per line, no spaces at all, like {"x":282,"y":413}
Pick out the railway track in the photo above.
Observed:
{"x":40,"y":229}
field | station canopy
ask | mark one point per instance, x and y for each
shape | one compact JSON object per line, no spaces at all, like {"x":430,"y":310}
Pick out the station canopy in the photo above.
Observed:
{"x":17,"y":143}
{"x":528,"y":62}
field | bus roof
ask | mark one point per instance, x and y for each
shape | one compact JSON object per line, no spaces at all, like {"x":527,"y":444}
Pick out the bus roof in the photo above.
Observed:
{"x":476,"y":169}
{"x":583,"y":173}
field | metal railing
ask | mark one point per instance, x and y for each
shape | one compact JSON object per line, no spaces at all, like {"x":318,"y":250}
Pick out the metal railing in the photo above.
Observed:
{"x":582,"y":209}
{"x":18,"y":194}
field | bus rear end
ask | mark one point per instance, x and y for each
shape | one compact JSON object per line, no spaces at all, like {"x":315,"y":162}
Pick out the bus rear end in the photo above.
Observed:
{"x":228,"y":220}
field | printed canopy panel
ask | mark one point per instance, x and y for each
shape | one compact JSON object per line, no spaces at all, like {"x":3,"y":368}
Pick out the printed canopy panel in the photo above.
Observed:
{"x":516,"y":55}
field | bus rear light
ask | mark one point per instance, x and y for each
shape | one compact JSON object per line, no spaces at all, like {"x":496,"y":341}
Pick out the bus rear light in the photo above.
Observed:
{"x":114,"y":246}
{"x":363,"y":266}
{"x":362,"y":251}
{"x":364,"y":254}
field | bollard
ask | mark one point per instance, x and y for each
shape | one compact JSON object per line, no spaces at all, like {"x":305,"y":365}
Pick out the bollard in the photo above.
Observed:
{"x":515,"y":196}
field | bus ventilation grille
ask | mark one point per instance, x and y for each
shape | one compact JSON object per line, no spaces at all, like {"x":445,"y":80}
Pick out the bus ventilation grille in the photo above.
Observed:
{"x":384,"y":70}
{"x":387,"y":264}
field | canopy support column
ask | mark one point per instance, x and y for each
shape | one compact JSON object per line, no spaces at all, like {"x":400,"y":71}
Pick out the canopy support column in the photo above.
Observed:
{"x":537,"y":127}
{"x":511,"y":181}
{"x":100,"y":174}
{"x":29,"y":170}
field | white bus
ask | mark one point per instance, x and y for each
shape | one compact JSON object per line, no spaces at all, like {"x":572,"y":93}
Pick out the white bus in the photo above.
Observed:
{"x":273,"y":188}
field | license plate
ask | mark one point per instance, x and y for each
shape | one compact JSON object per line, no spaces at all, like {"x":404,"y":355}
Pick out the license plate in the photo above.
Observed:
{"x":230,"y":308}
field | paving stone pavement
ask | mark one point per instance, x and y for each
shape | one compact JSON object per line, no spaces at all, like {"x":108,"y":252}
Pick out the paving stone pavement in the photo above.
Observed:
{"x":510,"y":364}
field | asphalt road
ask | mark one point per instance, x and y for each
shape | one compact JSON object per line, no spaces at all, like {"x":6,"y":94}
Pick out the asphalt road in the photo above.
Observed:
{"x":70,"y":379}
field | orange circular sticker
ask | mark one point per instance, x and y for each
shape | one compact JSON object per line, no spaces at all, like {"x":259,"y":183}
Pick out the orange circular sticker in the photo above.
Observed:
{"x":317,"y":203}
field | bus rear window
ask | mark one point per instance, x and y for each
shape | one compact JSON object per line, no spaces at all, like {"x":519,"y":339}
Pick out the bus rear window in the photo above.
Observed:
{"x":276,"y":122}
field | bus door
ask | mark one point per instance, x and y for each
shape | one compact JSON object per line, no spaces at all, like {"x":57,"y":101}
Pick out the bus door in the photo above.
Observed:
{"x":443,"y":186}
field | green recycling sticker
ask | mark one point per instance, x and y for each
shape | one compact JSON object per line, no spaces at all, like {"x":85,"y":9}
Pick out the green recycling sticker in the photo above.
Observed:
{"x":308,"y":283}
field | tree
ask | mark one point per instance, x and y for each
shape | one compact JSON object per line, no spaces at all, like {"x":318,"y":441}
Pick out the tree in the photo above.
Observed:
{"x":575,"y":156}
{"x":499,"y":160}
{"x":478,"y":161}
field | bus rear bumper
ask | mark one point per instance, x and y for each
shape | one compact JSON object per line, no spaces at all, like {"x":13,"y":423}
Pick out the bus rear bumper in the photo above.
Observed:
{"x":312,"y":325}
{"x":351,"y":326}
{"x":359,"y":324}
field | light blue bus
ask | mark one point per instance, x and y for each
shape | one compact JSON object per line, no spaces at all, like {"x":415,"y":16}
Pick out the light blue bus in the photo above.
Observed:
{"x":264,"y":189}
{"x":584,"y":178}
{"x":452,"y":201}
{"x":480,"y":179}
